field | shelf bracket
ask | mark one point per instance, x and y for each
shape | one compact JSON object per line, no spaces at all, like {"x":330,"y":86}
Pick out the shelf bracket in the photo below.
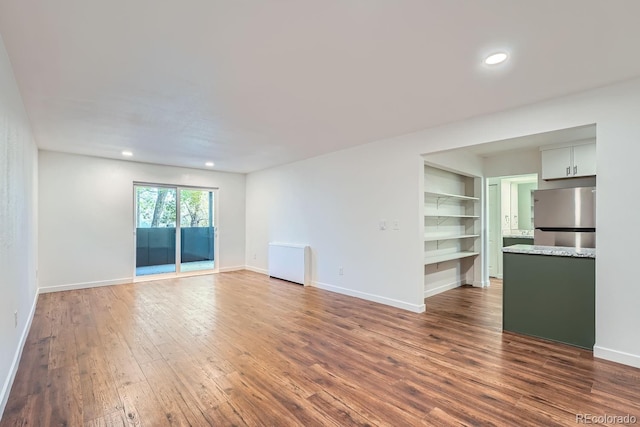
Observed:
{"x":441,"y":198}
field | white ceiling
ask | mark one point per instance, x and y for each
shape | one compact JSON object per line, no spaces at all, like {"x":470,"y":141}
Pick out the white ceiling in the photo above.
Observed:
{"x":254,"y":83}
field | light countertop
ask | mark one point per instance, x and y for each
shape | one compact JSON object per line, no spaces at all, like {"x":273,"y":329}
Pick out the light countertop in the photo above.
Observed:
{"x":551,"y":251}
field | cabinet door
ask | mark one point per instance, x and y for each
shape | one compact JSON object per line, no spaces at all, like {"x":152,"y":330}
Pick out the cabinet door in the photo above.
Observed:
{"x":556,"y":163}
{"x":584,"y":160}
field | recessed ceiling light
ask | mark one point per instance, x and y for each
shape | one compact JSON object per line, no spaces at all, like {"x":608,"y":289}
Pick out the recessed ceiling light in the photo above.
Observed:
{"x":127,"y":153}
{"x":209,"y":164}
{"x":496,"y":58}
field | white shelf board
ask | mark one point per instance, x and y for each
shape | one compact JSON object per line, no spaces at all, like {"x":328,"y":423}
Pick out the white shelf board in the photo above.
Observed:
{"x":448,"y":257}
{"x":449,"y":196}
{"x":435,"y":238}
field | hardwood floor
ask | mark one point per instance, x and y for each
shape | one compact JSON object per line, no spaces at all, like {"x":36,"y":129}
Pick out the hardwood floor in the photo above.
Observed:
{"x":241,"y":349}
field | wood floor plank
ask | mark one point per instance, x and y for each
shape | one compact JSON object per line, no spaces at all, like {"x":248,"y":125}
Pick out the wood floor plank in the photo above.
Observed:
{"x":122,"y":364}
{"x":341,"y":412}
{"x":62,"y":349}
{"x":349,"y":390}
{"x":63,"y":398}
{"x":167,"y":388}
{"x":32,"y":371}
{"x":226,"y":414}
{"x":252,"y":404}
{"x":198,"y":385}
{"x":241,"y":349}
{"x":27,"y":411}
{"x":99,"y":392}
{"x":42,"y":323}
{"x":141,"y":408}
{"x":113,"y":419}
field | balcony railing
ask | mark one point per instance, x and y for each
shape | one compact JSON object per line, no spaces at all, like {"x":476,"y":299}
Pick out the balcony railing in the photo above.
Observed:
{"x":157,"y":246}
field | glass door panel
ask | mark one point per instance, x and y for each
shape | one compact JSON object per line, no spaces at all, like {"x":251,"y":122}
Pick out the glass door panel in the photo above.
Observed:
{"x":155,"y":230}
{"x":197,"y":229}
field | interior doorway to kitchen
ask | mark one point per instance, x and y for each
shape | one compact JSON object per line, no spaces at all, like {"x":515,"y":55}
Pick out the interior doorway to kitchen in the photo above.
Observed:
{"x":510,"y":215}
{"x":174,"y":230}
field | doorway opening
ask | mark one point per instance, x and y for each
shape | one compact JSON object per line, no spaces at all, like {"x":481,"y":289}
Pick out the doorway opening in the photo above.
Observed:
{"x":510,"y":219}
{"x":175,"y":230}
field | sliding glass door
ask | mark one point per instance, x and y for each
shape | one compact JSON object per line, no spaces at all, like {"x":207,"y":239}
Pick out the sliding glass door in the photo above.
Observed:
{"x":155,"y":230}
{"x":174,"y":229}
{"x":196,"y":229}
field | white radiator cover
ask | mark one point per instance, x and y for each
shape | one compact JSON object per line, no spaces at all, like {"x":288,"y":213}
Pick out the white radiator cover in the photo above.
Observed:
{"x":290,"y":262}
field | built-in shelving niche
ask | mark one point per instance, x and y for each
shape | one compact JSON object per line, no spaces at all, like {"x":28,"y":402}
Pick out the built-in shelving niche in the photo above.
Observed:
{"x":452,"y":212}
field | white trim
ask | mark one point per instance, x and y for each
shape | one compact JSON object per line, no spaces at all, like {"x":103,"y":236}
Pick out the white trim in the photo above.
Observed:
{"x":172,"y":275}
{"x":215,"y":217}
{"x":6,"y":387}
{"x":152,"y":277}
{"x":74,"y":286}
{"x":196,"y":273}
{"x":234,"y":268}
{"x":583,"y":141}
{"x":431,"y":292}
{"x":617,"y":356}
{"x":416,"y":308}
{"x":257,"y":270}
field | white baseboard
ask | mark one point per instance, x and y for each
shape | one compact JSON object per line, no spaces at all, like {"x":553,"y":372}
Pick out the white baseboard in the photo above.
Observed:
{"x":126,"y":280}
{"x":617,"y":356}
{"x":256,"y":269}
{"x":431,"y":292}
{"x":74,"y":286}
{"x":416,"y":308}
{"x":6,"y":387}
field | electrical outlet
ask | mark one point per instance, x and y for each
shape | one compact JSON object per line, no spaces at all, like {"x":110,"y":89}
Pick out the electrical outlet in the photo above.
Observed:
{"x":255,"y":256}
{"x":340,"y":271}
{"x":396,"y":224}
{"x":382,"y":224}
{"x":15,"y":319}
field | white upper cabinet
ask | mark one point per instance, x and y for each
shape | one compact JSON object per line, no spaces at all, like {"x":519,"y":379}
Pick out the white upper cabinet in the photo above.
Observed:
{"x":569,"y":162}
{"x":556,"y":163}
{"x":584,"y":160}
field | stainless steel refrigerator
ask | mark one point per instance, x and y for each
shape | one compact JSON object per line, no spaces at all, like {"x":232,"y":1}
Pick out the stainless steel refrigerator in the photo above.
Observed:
{"x":565,"y":217}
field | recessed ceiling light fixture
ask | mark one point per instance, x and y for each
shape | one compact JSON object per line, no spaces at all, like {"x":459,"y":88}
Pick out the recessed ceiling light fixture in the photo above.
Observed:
{"x":496,"y":58}
{"x":127,"y":153}
{"x":209,"y":164}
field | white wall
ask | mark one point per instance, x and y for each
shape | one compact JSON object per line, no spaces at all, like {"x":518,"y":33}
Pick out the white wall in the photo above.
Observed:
{"x":513,"y":163}
{"x":86,"y":217}
{"x":462,"y":162}
{"x":18,"y":225}
{"x":334,"y":202}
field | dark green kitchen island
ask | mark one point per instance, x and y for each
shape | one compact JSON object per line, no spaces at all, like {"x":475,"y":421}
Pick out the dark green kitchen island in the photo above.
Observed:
{"x":549,"y":292}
